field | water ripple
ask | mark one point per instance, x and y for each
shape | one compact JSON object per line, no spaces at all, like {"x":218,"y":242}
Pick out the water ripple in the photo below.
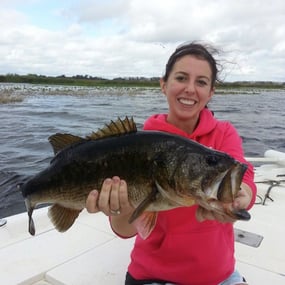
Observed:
{"x":26,"y":125}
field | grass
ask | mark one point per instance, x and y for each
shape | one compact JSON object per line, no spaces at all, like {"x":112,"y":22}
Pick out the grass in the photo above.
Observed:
{"x":7,"y":96}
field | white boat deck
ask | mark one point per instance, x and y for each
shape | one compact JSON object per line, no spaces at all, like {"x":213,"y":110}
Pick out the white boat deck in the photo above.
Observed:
{"x":89,"y":253}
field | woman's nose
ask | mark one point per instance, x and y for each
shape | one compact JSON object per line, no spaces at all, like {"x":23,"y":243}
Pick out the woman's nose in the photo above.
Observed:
{"x":190,"y":87}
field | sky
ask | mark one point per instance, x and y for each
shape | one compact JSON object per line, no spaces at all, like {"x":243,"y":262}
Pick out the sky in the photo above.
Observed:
{"x":130,"y":38}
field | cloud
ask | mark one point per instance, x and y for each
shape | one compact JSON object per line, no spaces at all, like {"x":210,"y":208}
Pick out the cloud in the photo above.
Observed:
{"x":135,"y":37}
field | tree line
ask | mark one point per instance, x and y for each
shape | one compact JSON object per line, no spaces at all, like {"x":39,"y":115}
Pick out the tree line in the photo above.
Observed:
{"x":79,"y":80}
{"x":87,"y":80}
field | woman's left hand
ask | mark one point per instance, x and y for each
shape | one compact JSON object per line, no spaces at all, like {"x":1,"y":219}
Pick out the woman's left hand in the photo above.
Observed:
{"x":243,"y":198}
{"x":241,"y":201}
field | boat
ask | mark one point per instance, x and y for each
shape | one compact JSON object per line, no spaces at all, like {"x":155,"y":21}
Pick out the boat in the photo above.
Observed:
{"x":90,"y":253}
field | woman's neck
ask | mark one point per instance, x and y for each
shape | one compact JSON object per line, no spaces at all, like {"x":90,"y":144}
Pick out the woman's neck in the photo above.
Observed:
{"x":187,"y":126}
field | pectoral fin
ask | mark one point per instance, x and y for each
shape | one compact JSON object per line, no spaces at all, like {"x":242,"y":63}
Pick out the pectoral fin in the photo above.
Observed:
{"x":62,"y":218}
{"x":144,"y":204}
{"x":145,"y":224}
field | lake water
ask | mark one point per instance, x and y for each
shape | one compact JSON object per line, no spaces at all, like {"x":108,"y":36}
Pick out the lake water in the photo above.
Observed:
{"x":44,"y":110}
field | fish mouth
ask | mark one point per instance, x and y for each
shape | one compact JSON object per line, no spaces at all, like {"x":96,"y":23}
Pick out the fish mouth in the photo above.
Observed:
{"x":231,"y":182}
{"x":224,"y":190}
{"x":225,"y":187}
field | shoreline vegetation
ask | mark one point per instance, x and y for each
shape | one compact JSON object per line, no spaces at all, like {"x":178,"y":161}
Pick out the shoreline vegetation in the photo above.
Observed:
{"x":86,"y":80}
{"x":13,"y":87}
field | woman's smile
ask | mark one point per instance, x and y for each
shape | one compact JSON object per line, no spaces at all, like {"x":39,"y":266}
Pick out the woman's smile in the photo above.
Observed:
{"x":186,"y":101}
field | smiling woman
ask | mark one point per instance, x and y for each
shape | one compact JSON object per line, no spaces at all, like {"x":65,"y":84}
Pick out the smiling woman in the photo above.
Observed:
{"x":188,"y":89}
{"x":188,"y":85}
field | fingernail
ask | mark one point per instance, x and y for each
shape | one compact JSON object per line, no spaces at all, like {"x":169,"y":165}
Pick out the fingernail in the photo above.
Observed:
{"x":116,"y":179}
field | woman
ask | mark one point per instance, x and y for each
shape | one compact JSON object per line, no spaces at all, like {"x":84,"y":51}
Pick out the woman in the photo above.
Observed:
{"x":179,"y":250}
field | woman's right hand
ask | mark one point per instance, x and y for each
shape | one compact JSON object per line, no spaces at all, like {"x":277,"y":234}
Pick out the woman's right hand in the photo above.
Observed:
{"x":113,"y":201}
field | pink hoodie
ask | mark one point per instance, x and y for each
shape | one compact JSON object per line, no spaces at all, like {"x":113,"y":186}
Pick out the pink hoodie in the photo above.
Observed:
{"x":180,"y":249}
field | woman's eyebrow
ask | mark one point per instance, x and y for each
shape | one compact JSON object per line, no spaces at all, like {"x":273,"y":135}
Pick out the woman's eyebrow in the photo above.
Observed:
{"x":199,"y":76}
{"x":204,"y":77}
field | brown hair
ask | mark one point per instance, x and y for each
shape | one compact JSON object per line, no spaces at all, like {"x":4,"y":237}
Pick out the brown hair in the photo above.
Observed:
{"x":198,"y":50}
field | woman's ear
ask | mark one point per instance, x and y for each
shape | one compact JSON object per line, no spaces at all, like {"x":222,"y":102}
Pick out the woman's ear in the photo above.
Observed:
{"x":162,"y":85}
{"x":212,"y":92}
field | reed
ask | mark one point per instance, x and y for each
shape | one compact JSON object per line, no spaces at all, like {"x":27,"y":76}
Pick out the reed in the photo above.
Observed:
{"x":7,"y":96}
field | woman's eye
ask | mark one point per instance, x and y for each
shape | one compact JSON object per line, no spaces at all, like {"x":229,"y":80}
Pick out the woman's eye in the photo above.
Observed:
{"x":180,"y":78}
{"x":202,"y":82}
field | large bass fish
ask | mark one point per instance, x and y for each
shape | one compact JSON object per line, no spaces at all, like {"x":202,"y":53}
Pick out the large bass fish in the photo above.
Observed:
{"x":163,"y":171}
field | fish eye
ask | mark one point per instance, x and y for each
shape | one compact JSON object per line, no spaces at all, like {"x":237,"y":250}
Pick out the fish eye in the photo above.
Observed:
{"x":212,"y":160}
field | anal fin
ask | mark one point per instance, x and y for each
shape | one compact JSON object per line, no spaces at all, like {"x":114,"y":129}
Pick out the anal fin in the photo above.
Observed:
{"x":62,"y":218}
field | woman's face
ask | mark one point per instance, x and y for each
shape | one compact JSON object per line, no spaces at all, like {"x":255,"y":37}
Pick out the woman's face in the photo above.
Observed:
{"x":188,"y":90}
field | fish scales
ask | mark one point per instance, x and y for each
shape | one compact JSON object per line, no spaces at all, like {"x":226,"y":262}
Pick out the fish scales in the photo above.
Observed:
{"x":85,"y":166}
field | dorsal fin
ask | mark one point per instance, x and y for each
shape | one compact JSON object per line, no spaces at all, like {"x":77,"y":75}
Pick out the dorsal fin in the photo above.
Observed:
{"x":119,"y":127}
{"x":61,"y":141}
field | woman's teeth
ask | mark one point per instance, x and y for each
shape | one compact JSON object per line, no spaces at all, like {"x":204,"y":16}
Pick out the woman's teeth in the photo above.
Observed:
{"x":187,"y":102}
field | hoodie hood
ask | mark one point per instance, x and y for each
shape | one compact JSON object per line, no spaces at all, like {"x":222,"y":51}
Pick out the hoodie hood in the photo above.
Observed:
{"x":206,"y":124}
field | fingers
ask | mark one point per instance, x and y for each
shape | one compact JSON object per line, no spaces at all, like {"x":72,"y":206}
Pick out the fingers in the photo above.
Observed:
{"x":105,"y":196}
{"x":225,"y":212}
{"x":114,"y":202}
{"x":109,"y":201}
{"x":123,"y":194}
{"x":242,"y":200}
{"x":91,"y":202}
{"x":112,"y":199}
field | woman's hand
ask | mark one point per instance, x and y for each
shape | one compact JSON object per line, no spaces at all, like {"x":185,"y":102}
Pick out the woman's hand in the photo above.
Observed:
{"x":242,"y":201}
{"x":243,"y":198}
{"x":113,"y":201}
